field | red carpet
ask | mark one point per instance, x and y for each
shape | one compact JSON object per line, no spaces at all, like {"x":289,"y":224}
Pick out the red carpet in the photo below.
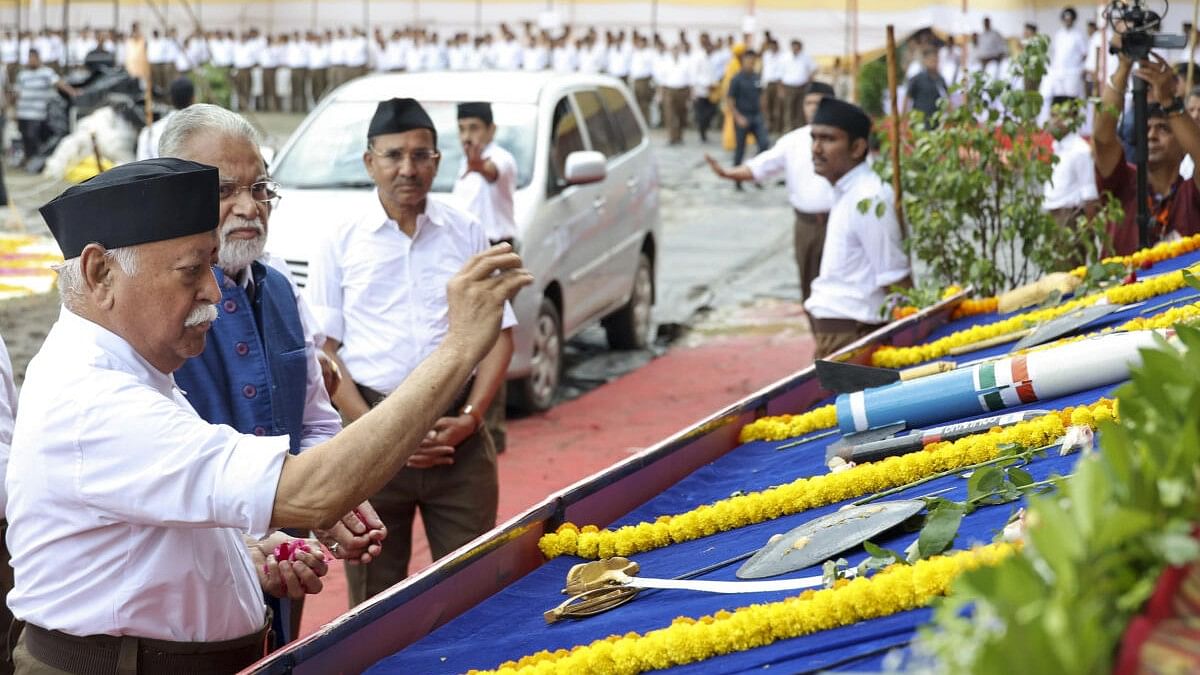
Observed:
{"x":580,"y":437}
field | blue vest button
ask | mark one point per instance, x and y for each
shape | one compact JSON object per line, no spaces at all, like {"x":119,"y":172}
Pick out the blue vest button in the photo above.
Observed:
{"x":230,"y":306}
{"x":241,"y":348}
{"x":249,"y":391}
{"x":259,"y":431}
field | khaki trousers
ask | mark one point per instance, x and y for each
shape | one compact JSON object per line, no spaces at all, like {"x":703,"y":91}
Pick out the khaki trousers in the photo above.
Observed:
{"x":643,"y":92}
{"x":299,"y":79}
{"x":319,"y":77}
{"x":774,"y":107}
{"x":270,"y":99}
{"x":833,"y":334}
{"x":810,"y":242}
{"x":457,"y":502}
{"x":241,"y":85}
{"x":793,"y":107}
{"x":675,"y":111}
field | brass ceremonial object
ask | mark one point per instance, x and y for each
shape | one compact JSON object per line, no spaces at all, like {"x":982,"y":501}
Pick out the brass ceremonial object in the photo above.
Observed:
{"x":818,"y":540}
{"x":595,"y":587}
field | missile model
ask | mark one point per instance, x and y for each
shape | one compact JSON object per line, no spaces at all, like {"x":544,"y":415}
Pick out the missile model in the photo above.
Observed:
{"x":997,"y":385}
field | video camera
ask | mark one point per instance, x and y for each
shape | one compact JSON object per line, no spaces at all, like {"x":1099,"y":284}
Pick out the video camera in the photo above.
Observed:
{"x":1139,"y":28}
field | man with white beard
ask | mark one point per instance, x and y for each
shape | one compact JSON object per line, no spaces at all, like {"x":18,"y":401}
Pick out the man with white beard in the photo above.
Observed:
{"x":259,"y":371}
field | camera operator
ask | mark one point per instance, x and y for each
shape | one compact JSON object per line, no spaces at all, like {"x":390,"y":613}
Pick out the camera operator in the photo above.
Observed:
{"x":1174,"y":202}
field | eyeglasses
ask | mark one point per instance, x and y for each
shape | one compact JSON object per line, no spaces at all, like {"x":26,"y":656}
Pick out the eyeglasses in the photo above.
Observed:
{"x":265,"y":191}
{"x":417,"y":157}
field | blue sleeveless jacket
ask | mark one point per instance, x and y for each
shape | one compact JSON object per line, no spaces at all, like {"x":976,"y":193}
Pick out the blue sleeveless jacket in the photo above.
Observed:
{"x":253,"y":373}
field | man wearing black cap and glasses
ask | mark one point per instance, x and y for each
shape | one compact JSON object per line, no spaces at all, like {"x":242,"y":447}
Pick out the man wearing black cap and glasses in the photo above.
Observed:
{"x":809,"y":193}
{"x":378,"y":289}
{"x":128,"y":513}
{"x":863,"y":254}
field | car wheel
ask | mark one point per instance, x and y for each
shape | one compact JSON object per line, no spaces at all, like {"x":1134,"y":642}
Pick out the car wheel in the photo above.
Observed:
{"x":629,"y":327}
{"x":537,"y":391}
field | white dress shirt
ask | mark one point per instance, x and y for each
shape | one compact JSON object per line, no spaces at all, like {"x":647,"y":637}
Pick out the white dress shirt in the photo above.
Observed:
{"x":245,"y":54}
{"x":507,"y":55}
{"x":382,"y":294}
{"x":798,"y":69}
{"x":491,"y":203}
{"x":535,"y":58}
{"x":148,"y":137}
{"x":8,"y":415}
{"x":792,"y":156}
{"x":700,"y":75}
{"x":863,"y":253}
{"x":1073,"y":182}
{"x":673,"y":72}
{"x":641,"y":64}
{"x":772,"y":67}
{"x":126,"y":510}
{"x":618,"y":61}
{"x":318,"y":55}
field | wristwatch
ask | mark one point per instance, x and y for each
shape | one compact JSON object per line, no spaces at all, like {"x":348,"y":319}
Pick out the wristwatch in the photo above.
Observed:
{"x":469,"y":409}
{"x":1175,"y":107}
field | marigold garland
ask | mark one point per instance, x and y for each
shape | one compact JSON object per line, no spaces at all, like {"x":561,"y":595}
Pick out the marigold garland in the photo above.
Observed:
{"x":895,"y":589}
{"x":898,"y":357}
{"x":1164,"y":250}
{"x":779,"y":427}
{"x":803,"y":494}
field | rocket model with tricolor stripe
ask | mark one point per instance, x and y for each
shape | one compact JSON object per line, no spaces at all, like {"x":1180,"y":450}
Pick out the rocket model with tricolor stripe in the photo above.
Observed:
{"x":996,"y":385}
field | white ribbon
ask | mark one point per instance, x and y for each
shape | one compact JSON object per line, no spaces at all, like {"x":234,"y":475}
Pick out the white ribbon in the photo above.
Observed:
{"x":726,"y":586}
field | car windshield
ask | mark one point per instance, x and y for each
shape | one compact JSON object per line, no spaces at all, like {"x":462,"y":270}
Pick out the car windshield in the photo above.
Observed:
{"x":329,"y":153}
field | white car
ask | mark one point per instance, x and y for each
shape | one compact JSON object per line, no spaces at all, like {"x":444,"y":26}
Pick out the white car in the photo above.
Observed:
{"x":586,"y":204}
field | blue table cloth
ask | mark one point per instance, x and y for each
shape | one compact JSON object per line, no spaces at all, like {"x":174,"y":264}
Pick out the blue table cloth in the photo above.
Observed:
{"x":509,"y":625}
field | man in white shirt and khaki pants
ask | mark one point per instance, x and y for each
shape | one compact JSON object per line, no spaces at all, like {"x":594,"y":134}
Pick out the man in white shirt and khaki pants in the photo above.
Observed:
{"x":810,"y":194}
{"x":378,"y":289}
{"x":863,"y":255}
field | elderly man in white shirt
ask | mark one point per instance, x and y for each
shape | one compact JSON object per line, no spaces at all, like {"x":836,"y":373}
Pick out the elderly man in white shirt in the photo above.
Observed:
{"x":128,"y":513}
{"x":378,"y":289}
{"x":863,"y":254}
{"x":810,"y":194}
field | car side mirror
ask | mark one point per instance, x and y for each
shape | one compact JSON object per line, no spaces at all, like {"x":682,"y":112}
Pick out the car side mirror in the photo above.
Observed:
{"x":585,"y":166}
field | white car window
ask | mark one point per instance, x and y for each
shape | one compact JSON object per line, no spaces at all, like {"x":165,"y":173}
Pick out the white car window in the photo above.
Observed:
{"x":328,"y":154}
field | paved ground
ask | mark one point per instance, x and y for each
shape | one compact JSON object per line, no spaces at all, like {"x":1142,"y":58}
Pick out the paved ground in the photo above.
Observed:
{"x":729,"y":326}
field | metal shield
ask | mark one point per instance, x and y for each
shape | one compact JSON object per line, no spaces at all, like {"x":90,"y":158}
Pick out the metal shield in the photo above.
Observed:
{"x":818,"y":540}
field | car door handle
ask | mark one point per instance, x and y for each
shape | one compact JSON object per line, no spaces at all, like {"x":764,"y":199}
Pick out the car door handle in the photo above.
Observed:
{"x":598,"y":203}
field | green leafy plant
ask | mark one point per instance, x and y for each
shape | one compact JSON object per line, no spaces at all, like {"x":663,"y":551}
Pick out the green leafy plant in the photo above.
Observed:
{"x":872,"y":85}
{"x":215,"y":85}
{"x":973,"y":186}
{"x":1095,"y":549}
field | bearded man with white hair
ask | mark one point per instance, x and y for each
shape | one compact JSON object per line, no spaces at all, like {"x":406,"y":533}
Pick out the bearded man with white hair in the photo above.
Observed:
{"x":133,"y":521}
{"x":259,"y":372}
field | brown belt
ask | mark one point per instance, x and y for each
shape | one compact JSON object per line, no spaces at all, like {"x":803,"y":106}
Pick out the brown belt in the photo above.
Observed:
{"x":127,"y":655}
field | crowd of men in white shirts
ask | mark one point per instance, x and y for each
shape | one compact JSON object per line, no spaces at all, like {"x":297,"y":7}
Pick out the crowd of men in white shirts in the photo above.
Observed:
{"x":291,"y":71}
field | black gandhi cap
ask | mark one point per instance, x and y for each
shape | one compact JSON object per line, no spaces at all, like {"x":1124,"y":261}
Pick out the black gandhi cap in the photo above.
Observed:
{"x":398,"y":115}
{"x":818,"y":87}
{"x":848,"y":117}
{"x":135,"y":203}
{"x":480,"y":110}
